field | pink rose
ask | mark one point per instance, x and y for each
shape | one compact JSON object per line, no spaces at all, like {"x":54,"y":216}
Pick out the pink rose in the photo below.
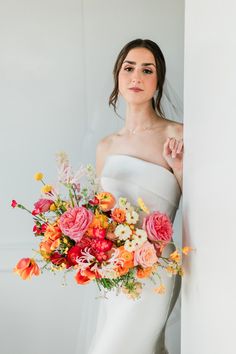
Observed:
{"x":75,"y":221}
{"x":145,"y":255}
{"x":158,"y":227}
{"x":43,"y":205}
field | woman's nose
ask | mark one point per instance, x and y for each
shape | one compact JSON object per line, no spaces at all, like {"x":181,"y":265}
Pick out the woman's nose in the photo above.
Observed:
{"x":136,"y":77}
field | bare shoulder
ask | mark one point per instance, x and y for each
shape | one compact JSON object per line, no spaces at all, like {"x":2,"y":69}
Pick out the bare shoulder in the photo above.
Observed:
{"x":102,"y":150}
{"x":174,"y":129}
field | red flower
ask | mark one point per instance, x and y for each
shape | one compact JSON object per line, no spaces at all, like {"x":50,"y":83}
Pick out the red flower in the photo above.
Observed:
{"x":94,"y":201}
{"x":43,"y":205}
{"x":102,"y":245}
{"x":36,"y":230}
{"x":85,"y":242}
{"x":102,"y":256}
{"x":72,"y":255}
{"x":82,"y":279}
{"x":43,"y":228}
{"x":85,"y":276}
{"x":100,"y":233}
{"x":57,"y":258}
{"x":35,"y":212}
{"x":14,"y":203}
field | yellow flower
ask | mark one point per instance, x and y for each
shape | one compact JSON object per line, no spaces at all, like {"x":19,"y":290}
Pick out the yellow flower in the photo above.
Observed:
{"x":46,"y":189}
{"x":171,"y":270}
{"x":175,"y":256}
{"x":38,"y":176}
{"x":186,"y":250}
{"x":53,"y":207}
{"x":143,"y":206}
{"x":160,"y":289}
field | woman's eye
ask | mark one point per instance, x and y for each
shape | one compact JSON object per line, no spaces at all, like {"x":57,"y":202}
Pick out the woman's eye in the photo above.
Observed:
{"x":128,"y":68}
{"x":147,"y":71}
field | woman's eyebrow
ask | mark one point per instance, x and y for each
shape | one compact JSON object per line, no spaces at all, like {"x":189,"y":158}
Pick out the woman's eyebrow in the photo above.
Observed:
{"x":134,"y":63}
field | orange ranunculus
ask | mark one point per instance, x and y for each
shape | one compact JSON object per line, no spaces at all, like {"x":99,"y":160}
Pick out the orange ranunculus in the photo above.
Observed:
{"x":27,"y":267}
{"x":122,"y":270}
{"x":144,"y":272}
{"x":118,"y":215}
{"x":46,"y":247}
{"x":99,"y":221}
{"x":126,"y":255}
{"x":128,"y":258}
{"x":106,"y":201}
{"x":53,"y":232}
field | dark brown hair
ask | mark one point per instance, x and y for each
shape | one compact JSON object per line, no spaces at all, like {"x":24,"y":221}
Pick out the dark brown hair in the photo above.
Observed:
{"x":160,"y":65}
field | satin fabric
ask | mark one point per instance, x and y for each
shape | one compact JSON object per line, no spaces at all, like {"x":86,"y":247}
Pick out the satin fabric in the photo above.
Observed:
{"x":125,"y":326}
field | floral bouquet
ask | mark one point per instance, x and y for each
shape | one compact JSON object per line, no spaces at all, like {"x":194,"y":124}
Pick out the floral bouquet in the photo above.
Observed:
{"x":99,"y":238}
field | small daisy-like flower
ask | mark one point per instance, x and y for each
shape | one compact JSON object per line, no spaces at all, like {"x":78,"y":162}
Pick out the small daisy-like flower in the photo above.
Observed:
{"x":137,"y":243}
{"x":129,"y":246}
{"x":123,"y":232}
{"x":132,"y":217}
{"x":140,"y":235}
{"x":128,"y":207}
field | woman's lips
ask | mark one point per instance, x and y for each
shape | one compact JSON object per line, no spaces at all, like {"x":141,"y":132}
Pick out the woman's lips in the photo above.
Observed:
{"x":135,"y":89}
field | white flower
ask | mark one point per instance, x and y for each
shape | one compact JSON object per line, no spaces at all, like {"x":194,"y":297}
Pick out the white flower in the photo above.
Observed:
{"x":107,"y":268}
{"x":140,"y":236}
{"x":129,"y":246}
{"x":123,"y":232}
{"x":132,"y":217}
{"x":128,"y":207}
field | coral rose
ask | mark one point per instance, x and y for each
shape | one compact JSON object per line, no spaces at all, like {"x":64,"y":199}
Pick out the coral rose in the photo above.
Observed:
{"x":75,"y":221}
{"x":27,"y":267}
{"x":145,"y":255}
{"x":158,"y":227}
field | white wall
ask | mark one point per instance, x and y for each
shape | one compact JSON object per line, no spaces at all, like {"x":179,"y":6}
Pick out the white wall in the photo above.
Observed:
{"x":209,"y":291}
{"x":56,"y":76}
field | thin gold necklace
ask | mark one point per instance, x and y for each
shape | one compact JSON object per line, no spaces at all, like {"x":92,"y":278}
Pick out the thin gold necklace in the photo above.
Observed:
{"x":148,"y":127}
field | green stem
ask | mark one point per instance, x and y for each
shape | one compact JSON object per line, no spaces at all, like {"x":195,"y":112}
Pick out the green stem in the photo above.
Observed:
{"x":39,"y":218}
{"x":71,"y":197}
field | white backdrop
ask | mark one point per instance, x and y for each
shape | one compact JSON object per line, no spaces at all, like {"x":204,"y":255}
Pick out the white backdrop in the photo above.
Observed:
{"x":209,"y":291}
{"x":56,"y":67}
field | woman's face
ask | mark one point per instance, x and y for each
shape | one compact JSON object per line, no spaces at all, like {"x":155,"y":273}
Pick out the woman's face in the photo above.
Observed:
{"x":137,"y":78}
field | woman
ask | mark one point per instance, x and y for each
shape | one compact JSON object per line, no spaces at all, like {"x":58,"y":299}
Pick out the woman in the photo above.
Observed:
{"x":143,"y":159}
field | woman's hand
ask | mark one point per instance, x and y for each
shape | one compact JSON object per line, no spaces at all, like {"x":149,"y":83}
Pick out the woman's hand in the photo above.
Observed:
{"x":173,"y":151}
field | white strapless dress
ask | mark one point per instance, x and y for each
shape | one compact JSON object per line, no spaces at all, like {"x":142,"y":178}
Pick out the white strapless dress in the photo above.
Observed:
{"x":126,"y":326}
